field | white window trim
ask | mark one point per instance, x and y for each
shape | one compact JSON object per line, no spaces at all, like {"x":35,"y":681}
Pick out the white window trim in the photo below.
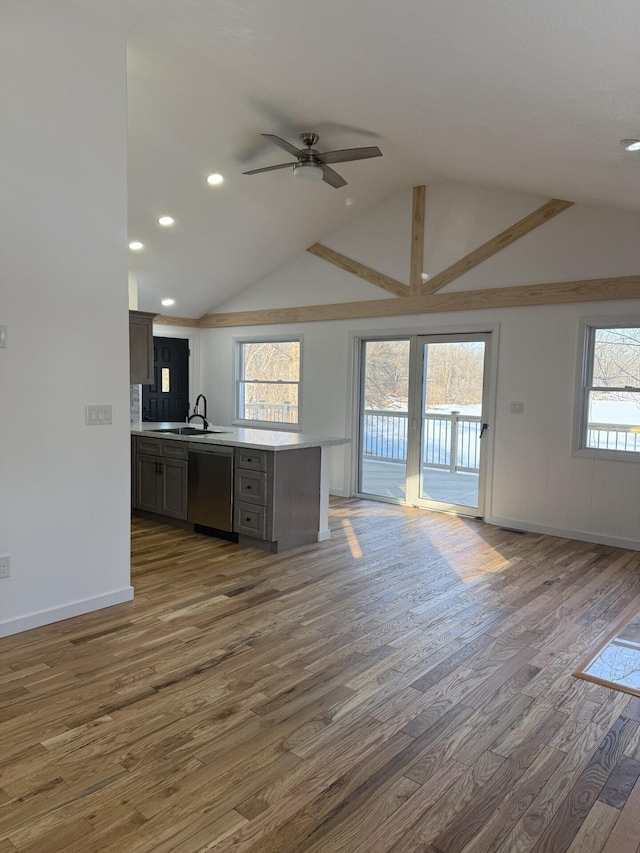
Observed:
{"x":580,"y":401}
{"x":271,"y":425}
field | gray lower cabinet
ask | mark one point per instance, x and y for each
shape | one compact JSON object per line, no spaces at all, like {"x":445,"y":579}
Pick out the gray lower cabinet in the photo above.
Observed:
{"x":276,"y":494}
{"x":161,"y":477}
{"x":277,"y":497}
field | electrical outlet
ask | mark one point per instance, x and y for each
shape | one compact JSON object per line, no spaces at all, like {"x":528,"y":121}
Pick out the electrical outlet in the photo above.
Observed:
{"x":5,"y":567}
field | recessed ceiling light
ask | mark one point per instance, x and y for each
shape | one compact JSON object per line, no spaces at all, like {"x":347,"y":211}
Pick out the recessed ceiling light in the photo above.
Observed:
{"x":166,"y":220}
{"x":631,"y":144}
{"x":349,"y":201}
{"x":136,"y":245}
{"x":168,"y":302}
{"x":425,"y":276}
{"x":215,"y":179}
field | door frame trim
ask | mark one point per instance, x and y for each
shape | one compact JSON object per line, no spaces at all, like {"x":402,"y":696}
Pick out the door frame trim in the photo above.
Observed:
{"x":355,"y":344}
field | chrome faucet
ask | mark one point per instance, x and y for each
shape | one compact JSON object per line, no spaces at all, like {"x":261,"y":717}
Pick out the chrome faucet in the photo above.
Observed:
{"x":196,"y":411}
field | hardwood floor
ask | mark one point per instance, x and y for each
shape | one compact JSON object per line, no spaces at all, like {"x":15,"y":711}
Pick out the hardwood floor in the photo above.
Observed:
{"x":403,"y":687}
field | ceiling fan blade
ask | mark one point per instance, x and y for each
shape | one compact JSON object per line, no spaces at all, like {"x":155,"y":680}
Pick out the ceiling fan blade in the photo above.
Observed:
{"x":350,"y":154}
{"x":269,"y":168}
{"x":282,"y":143}
{"x":333,"y":178}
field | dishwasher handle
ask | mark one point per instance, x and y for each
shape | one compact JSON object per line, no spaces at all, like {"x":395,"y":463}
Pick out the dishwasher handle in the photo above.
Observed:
{"x":214,"y":450}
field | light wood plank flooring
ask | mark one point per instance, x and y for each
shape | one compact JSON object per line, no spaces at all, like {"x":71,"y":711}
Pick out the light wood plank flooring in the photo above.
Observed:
{"x":403,"y":687}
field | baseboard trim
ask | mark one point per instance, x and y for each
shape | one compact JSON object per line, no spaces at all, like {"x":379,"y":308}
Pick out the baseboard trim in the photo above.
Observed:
{"x":340,"y":493}
{"x":580,"y":535}
{"x":67,"y":611}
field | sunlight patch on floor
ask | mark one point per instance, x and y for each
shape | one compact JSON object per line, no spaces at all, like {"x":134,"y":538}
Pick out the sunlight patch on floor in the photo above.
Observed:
{"x":352,"y":539}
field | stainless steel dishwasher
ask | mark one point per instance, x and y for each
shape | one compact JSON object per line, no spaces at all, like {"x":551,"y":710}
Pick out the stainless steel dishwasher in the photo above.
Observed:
{"x":211,"y":486}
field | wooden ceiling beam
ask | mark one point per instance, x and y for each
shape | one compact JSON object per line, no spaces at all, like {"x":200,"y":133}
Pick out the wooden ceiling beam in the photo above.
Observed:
{"x":497,"y":244}
{"x":417,"y":240}
{"x":588,"y":290}
{"x":362,"y":271}
{"x":166,"y":320}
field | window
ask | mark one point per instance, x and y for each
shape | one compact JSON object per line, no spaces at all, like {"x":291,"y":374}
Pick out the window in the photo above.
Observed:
{"x":268,"y":381}
{"x":610,"y":405}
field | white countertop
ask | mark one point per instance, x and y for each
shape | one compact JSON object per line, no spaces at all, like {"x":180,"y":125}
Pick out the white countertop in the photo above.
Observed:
{"x":255,"y":439}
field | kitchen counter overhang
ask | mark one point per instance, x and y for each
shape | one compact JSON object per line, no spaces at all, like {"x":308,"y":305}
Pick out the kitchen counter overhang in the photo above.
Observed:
{"x":253,"y":439}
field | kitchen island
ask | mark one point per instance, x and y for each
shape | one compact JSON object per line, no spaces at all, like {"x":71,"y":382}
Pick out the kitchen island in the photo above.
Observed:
{"x":264,"y":488}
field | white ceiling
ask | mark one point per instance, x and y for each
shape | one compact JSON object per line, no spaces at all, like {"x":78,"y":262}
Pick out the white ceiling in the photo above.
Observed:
{"x":513,"y":93}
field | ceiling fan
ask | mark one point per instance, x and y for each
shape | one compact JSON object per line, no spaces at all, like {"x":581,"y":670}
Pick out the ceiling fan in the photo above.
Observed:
{"x":313,"y":165}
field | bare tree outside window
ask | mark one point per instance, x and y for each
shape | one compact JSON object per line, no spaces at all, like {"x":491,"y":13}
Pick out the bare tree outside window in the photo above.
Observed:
{"x":616,"y":359}
{"x":454,"y":375}
{"x":611,"y":390}
{"x":387,"y":375}
{"x":269,"y":379}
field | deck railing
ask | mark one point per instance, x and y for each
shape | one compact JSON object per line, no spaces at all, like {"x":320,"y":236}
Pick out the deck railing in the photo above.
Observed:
{"x":451,"y":441}
{"x":613,"y":437}
{"x":284,"y":413}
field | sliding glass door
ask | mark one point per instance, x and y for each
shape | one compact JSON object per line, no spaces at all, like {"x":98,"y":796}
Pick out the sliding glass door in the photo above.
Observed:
{"x":423,"y":407}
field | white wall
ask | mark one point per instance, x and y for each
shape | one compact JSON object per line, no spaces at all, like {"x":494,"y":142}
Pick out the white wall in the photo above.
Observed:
{"x":537,"y":483}
{"x":64,"y":486}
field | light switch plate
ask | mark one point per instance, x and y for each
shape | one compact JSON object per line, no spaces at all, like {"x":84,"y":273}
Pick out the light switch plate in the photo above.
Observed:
{"x":517,"y":408}
{"x":3,"y":336}
{"x":98,"y":415}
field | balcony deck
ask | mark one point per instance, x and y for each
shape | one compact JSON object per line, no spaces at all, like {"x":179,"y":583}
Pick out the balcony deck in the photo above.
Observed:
{"x":387,"y":479}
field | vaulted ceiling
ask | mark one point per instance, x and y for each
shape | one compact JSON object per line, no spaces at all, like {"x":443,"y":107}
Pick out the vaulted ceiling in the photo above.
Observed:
{"x":533,"y":96}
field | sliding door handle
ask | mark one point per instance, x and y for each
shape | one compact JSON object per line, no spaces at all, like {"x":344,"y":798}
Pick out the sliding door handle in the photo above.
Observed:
{"x":485,"y":427}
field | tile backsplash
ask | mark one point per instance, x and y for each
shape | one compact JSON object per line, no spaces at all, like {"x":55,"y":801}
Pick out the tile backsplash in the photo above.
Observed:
{"x":135,"y":404}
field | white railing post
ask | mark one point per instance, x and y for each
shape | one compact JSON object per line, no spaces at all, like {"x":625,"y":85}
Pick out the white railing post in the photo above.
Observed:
{"x":453,"y":447}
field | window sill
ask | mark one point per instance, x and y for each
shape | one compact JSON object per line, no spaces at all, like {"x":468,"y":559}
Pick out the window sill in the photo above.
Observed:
{"x":273,"y":425}
{"x":610,"y":455}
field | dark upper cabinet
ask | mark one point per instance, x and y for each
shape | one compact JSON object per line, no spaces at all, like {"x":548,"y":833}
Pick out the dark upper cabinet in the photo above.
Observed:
{"x":141,"y":347}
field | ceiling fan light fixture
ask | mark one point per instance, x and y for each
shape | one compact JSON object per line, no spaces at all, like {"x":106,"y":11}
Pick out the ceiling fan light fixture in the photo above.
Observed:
{"x":308,"y":171}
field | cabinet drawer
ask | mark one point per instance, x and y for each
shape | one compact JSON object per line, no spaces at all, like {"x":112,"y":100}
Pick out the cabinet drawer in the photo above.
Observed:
{"x":175,"y":449}
{"x":252,"y":460}
{"x":150,"y":446}
{"x":251,"y":487}
{"x":250,"y":520}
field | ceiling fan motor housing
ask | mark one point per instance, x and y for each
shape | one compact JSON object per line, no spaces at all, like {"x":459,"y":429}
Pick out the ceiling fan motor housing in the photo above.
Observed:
{"x":309,"y":139}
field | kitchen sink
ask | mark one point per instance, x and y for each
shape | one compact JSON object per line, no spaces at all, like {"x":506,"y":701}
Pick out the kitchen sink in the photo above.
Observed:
{"x":189,"y":431}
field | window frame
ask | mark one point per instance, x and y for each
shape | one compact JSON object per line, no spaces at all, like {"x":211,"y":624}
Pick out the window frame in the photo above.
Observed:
{"x":586,"y":354}
{"x":238,"y":343}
